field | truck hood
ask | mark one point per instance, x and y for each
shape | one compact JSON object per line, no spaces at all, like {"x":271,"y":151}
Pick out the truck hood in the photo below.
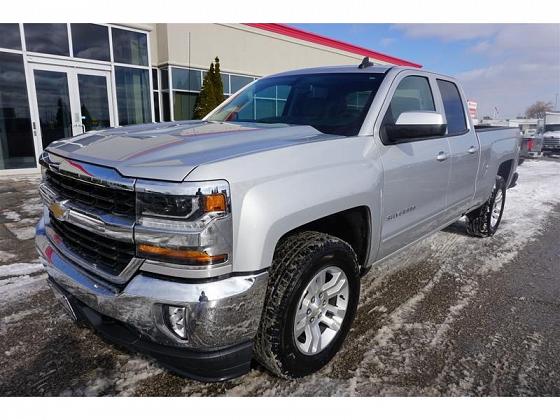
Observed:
{"x":170,"y":151}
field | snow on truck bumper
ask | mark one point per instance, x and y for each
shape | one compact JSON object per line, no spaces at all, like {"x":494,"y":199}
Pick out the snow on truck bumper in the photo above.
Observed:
{"x":222,"y":315}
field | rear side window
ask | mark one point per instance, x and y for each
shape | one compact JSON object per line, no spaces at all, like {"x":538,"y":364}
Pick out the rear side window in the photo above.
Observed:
{"x":453,"y":106}
{"x":412,"y":94}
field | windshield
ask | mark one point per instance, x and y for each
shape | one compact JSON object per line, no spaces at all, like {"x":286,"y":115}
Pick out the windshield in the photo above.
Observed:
{"x":333,"y":103}
{"x":552,"y":127}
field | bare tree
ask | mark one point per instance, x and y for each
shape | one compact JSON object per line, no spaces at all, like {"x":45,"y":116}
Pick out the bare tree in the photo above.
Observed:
{"x":538,"y":109}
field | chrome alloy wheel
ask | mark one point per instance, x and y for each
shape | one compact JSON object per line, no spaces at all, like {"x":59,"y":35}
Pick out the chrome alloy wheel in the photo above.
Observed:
{"x":496,"y":208}
{"x":321,"y":310}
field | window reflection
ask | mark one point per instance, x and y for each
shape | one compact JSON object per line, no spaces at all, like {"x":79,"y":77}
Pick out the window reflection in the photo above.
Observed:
{"x":53,"y":100}
{"x":16,"y":140}
{"x":9,"y":36}
{"x":133,"y":95}
{"x":90,"y":41}
{"x":94,"y":102}
{"x":47,"y":38}
{"x":130,"y":47}
{"x":238,"y":82}
{"x":183,"y":105}
{"x":186,"y":79}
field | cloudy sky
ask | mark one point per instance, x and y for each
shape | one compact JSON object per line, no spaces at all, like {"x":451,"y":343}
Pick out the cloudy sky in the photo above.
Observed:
{"x":507,"y":66}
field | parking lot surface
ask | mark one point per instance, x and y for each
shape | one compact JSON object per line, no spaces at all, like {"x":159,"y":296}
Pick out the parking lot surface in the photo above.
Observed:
{"x":453,"y":315}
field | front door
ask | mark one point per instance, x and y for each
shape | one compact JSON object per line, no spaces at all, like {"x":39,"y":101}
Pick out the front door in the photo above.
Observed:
{"x":69,"y":101}
{"x":416,"y":172}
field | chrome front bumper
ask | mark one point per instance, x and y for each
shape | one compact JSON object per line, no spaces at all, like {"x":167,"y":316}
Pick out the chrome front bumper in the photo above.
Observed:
{"x":221,"y":312}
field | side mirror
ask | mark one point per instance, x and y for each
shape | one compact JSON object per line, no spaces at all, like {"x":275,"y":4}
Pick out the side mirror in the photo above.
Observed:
{"x":416,"y":124}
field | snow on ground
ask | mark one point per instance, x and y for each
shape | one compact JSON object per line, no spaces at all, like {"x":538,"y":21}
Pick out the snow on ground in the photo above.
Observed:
{"x":15,"y":288}
{"x":6,"y":256}
{"x":11,"y":215}
{"x":22,"y":232}
{"x":19,"y":280}
{"x":20,"y":269}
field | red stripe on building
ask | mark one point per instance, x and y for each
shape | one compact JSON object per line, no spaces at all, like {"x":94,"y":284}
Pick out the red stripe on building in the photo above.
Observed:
{"x":329,"y":42}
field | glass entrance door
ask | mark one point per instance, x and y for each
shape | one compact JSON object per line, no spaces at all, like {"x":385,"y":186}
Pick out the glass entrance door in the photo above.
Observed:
{"x":94,"y":102}
{"x":53,"y":102}
{"x":70,"y":101}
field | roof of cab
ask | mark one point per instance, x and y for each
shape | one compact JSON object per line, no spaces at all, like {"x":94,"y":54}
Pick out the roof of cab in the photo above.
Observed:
{"x":337,"y":69}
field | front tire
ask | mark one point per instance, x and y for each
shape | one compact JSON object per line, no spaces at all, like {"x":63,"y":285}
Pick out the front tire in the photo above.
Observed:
{"x":484,"y":221}
{"x":310,"y":304}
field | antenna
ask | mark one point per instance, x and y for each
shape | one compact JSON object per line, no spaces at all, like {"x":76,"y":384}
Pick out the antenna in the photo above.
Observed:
{"x":365,"y":63}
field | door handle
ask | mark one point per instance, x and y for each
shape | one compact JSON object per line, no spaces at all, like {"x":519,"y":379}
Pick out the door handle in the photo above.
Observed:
{"x":472,"y":149}
{"x":441,"y":156}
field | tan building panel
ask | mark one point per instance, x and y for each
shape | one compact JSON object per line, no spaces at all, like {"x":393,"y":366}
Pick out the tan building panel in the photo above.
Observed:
{"x":241,"y":49}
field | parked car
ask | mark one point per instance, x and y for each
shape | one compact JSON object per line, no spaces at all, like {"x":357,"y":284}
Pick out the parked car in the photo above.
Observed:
{"x":207,"y":243}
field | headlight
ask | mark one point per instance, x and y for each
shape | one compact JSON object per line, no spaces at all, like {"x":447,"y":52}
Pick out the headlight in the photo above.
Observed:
{"x":187,"y":223}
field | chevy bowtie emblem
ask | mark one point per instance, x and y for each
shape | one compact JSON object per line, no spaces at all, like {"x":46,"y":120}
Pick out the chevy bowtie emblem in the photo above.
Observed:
{"x":59,"y":211}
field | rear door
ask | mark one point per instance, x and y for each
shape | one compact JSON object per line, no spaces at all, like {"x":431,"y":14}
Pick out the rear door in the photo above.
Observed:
{"x":463,"y":144}
{"x":416,"y":172}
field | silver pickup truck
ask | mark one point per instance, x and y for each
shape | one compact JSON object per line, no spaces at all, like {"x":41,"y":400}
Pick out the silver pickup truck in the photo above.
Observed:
{"x":208,"y":244}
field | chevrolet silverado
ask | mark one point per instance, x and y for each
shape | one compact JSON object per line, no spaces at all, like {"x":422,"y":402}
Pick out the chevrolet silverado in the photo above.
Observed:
{"x":243,"y":236}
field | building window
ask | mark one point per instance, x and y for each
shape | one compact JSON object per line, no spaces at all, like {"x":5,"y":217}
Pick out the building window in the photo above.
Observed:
{"x":130,"y":47}
{"x":16,"y":139}
{"x":164,"y":79}
{"x":184,"y":79}
{"x":225,"y":82}
{"x":166,"y":111}
{"x":156,"y":107}
{"x":9,"y":36}
{"x":183,"y":105}
{"x":47,"y":38}
{"x":165,"y":103}
{"x":155,"y":84}
{"x":133,"y":95}
{"x":90,"y":41}
{"x":238,"y":82}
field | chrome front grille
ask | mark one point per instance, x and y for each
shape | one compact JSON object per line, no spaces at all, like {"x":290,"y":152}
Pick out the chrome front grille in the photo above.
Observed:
{"x":92,"y":211}
{"x":551,"y":142}
{"x":108,"y":255}
{"x":103,"y":198}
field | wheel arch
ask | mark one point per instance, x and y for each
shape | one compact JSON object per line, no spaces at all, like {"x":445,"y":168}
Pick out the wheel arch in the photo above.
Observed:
{"x":353,"y":226}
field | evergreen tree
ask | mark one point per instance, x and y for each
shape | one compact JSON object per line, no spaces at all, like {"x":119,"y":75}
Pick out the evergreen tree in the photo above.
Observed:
{"x":206,"y":99}
{"x":218,"y":84}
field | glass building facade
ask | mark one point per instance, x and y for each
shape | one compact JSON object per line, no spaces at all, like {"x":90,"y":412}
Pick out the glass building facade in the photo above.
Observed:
{"x":180,"y":86}
{"x":59,"y":80}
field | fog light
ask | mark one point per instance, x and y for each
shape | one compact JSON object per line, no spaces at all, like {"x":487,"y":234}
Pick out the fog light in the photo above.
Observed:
{"x":176,"y":318}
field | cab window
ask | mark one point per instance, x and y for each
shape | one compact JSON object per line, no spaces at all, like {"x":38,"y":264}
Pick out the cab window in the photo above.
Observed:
{"x":453,"y":107}
{"x":412,"y":94}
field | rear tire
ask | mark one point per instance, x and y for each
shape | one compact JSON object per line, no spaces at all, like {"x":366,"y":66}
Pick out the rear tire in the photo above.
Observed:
{"x":484,"y":221}
{"x":306,"y":319}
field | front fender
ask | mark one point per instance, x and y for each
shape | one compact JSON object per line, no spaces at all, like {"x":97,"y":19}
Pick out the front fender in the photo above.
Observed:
{"x":271,"y":209}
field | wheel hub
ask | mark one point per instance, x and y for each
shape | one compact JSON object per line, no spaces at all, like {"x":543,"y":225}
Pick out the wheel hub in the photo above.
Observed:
{"x":496,"y":208}
{"x":321,"y":310}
